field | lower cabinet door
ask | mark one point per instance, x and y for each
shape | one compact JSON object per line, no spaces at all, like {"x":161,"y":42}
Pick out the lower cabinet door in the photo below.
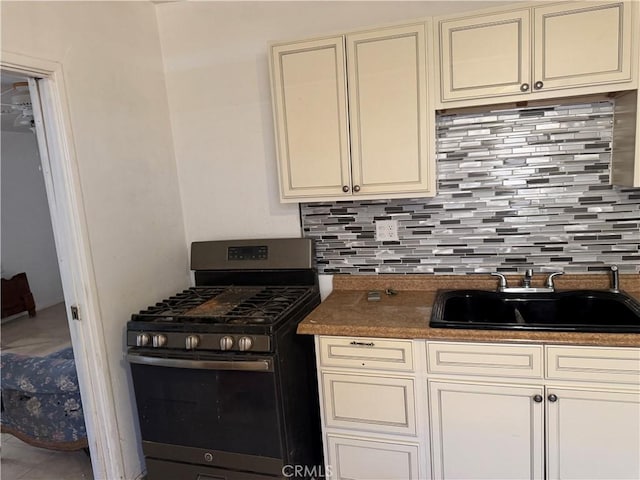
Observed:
{"x":363,"y":402}
{"x":593,"y":434}
{"x":487,"y":431}
{"x":352,"y":458}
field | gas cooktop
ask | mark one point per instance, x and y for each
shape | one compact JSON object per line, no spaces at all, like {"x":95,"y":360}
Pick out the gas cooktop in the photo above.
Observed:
{"x":232,"y":305}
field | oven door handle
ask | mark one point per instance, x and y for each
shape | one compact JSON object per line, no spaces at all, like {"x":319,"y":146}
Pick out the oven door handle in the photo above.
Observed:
{"x":263,"y":365}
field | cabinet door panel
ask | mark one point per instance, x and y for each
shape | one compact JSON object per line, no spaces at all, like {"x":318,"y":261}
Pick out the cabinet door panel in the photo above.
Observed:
{"x":309,"y":91}
{"x":486,"y":431}
{"x":353,"y":458}
{"x":388,"y":109}
{"x":585,"y":43}
{"x":593,"y":435}
{"x":484,"y":56}
{"x":379,"y":404}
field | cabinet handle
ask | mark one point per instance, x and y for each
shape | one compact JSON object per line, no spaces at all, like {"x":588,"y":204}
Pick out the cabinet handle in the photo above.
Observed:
{"x":363,"y":344}
{"x":537,"y":398}
{"x":552,"y":398}
{"x":538,"y":85}
{"x":345,"y":189}
{"x":524,"y":87}
{"x":356,"y":188}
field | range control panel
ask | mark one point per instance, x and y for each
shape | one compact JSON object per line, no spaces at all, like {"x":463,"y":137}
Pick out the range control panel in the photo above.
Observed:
{"x":257,"y":252}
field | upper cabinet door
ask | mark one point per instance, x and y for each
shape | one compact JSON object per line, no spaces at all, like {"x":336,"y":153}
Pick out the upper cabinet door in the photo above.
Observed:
{"x":388,"y":110}
{"x":484,"y":56}
{"x":310,"y":110}
{"x":582,"y":43}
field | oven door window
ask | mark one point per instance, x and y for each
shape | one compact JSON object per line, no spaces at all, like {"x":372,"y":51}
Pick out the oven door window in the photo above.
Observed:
{"x":226,"y":410}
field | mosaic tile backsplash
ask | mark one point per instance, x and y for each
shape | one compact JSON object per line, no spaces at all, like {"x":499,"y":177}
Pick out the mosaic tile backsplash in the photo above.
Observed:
{"x":517,"y":189}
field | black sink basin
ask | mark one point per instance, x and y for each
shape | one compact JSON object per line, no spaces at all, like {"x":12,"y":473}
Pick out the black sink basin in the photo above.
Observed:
{"x":573,"y":311}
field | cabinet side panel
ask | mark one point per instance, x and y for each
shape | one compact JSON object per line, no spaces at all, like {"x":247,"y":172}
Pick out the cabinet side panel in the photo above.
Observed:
{"x":625,"y":159}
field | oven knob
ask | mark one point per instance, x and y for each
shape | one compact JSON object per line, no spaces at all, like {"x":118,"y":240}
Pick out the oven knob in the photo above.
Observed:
{"x":159,"y":340}
{"x":245,"y":343}
{"x":192,"y":342}
{"x":226,"y":343}
{"x":142,"y":339}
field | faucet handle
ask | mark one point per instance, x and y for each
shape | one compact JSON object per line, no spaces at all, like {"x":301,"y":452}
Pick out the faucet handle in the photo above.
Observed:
{"x":615,"y":279}
{"x":549,"y":282}
{"x":503,"y":280}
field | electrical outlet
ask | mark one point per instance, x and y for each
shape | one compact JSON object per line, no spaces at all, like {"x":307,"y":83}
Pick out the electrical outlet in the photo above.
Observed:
{"x":387,"y":230}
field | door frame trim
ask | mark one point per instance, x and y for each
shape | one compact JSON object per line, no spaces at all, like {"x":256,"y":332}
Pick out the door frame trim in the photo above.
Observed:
{"x":66,"y":205}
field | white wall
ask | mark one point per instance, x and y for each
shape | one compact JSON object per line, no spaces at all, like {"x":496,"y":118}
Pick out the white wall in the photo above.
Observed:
{"x":217,"y":74}
{"x":110,"y":54}
{"x":27,"y":238}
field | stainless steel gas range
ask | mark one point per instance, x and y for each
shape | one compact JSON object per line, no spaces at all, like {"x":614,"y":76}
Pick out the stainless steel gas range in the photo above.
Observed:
{"x":224,"y":387}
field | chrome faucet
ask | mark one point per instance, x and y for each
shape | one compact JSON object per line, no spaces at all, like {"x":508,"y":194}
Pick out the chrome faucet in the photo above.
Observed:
{"x":615,"y":279}
{"x":526,"y":283}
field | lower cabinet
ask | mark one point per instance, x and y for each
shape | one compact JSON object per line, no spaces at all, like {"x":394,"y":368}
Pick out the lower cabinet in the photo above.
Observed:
{"x":487,"y":431}
{"x":356,"y":458}
{"x":402,"y":409}
{"x":593,"y":434}
{"x":580,"y":419}
{"x":493,"y":431}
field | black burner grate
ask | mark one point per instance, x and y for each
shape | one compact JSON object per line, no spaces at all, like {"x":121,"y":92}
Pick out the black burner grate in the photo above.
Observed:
{"x":231,"y":305}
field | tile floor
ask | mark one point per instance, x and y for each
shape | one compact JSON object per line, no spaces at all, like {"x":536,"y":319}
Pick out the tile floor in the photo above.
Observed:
{"x":47,"y":332}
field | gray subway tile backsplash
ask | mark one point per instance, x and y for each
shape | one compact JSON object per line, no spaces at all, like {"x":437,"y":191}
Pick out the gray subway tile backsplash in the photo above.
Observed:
{"x":517,"y":189}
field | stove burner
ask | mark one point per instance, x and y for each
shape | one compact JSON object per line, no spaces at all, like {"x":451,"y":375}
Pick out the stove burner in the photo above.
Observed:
{"x":226,"y":305}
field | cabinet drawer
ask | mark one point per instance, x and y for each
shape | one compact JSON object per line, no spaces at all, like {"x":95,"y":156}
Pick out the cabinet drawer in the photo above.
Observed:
{"x":373,"y":353}
{"x":351,"y":458}
{"x":378,"y":404}
{"x":485,"y":359}
{"x":612,"y":365}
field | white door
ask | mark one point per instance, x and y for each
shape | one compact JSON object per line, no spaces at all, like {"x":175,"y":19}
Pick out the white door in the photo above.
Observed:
{"x":593,"y":434}
{"x":582,"y":43}
{"x":485,"y":56}
{"x":310,"y":96}
{"x":388,"y":110}
{"x":486,"y":431}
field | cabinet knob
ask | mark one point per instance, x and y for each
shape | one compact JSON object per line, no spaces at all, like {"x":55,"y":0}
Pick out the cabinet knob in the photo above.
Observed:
{"x":345,"y":188}
{"x":538,"y":85}
{"x":524,"y":87}
{"x":356,"y":188}
{"x":552,"y":398}
{"x":537,"y":398}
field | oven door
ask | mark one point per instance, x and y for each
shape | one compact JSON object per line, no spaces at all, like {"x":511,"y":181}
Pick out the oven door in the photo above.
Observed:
{"x":217,"y":412}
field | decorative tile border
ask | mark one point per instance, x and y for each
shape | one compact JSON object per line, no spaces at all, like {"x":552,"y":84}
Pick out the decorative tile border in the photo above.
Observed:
{"x":517,"y":189}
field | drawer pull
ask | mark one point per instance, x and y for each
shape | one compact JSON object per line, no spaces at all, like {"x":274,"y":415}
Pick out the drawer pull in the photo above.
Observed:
{"x":363,"y":344}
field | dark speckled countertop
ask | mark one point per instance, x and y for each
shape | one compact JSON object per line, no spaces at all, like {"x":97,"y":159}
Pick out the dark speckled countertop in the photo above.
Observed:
{"x":346,"y":311}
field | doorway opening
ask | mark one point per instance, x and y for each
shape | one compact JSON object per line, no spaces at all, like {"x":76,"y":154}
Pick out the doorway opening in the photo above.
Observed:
{"x":42,"y":421}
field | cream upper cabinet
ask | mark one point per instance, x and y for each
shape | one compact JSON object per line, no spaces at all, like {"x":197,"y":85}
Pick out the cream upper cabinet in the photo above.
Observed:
{"x":309,"y":90}
{"x":485,"y":56}
{"x":561,"y":49}
{"x":354,"y":123}
{"x":583,"y":43}
{"x":388,"y":110}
